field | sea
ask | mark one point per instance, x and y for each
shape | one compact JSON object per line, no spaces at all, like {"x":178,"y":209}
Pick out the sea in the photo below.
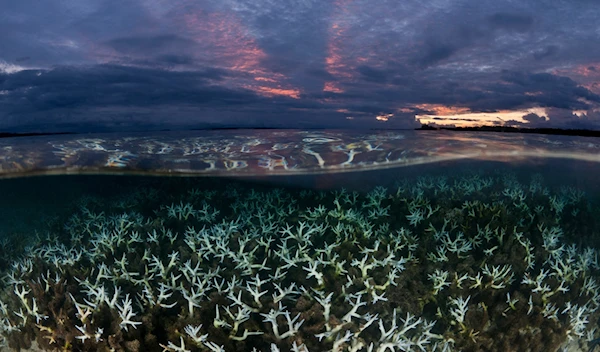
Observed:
{"x":300,"y":241}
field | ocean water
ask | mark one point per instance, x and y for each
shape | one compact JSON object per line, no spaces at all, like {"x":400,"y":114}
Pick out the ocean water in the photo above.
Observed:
{"x":451,"y":256}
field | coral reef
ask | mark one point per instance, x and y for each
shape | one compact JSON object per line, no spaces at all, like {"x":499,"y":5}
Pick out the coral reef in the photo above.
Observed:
{"x":474,"y":262}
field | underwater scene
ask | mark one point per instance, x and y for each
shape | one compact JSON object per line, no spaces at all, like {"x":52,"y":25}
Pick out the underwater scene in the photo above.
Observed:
{"x":456,"y":255}
{"x":299,"y":176}
{"x":473,"y":260}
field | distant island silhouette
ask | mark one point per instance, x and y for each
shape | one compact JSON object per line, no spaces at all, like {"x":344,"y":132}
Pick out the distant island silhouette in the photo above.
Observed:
{"x":554,"y":131}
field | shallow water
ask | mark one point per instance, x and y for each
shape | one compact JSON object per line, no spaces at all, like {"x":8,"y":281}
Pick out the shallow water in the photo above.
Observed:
{"x":453,"y":256}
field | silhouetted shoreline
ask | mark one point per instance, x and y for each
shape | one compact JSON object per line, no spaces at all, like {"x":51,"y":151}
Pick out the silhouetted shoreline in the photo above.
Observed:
{"x":554,"y":131}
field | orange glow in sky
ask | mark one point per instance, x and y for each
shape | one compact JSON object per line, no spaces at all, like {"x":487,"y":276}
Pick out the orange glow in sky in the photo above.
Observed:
{"x":439,"y":109}
{"x":472,"y":119}
{"x":292,"y":93}
{"x":383,"y":117}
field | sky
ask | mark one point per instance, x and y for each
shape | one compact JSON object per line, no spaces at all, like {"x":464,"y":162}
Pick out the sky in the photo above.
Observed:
{"x":110,"y":65}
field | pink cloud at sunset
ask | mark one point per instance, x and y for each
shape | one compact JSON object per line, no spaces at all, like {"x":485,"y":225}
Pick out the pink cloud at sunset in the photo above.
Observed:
{"x":223,"y":41}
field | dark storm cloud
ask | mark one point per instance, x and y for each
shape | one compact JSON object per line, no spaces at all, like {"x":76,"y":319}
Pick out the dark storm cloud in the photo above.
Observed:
{"x":77,"y":93}
{"x":111,"y":85}
{"x":76,"y":97}
{"x":298,"y":62}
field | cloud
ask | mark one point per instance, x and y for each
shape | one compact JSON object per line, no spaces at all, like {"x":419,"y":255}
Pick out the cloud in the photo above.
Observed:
{"x":546,"y":52}
{"x":293,"y":63}
{"x":7,"y":68}
{"x":511,"y":21}
{"x":128,"y":96}
{"x":564,"y":118}
{"x":534,"y":118}
{"x":517,"y":89}
{"x":371,"y":74}
{"x":84,"y":89}
{"x":143,"y":45}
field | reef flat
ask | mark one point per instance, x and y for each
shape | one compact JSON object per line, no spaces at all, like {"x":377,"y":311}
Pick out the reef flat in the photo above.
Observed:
{"x":470,"y":262}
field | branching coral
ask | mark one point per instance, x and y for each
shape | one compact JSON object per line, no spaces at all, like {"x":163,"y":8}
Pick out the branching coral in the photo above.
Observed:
{"x":439,"y":264}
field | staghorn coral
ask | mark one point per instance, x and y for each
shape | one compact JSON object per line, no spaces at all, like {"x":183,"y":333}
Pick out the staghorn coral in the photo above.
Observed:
{"x":472,"y":263}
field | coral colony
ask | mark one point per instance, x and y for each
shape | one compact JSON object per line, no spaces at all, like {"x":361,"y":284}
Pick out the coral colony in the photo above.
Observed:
{"x":473,"y":262}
